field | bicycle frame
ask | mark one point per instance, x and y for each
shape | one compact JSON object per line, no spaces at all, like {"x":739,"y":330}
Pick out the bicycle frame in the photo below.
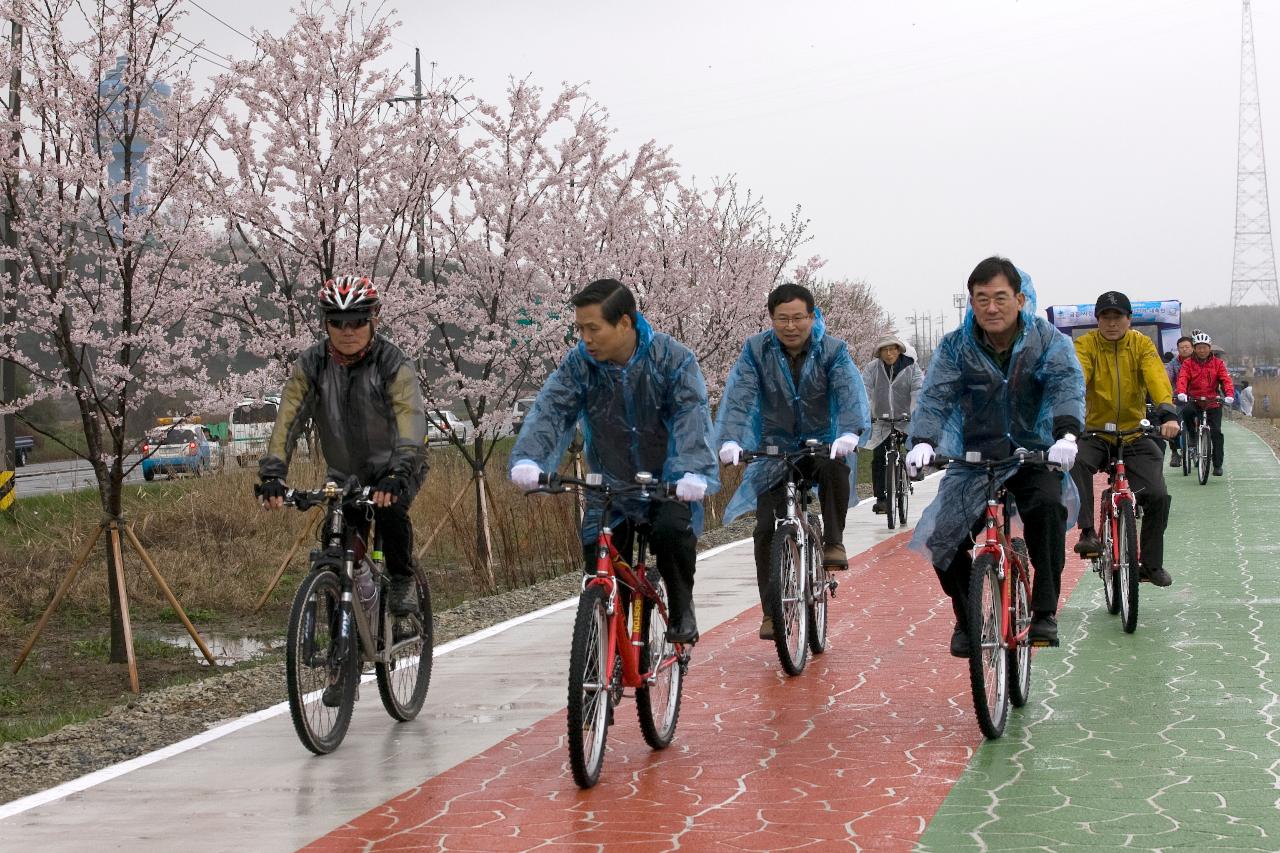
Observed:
{"x":995,"y":541}
{"x":1118,"y":490}
{"x":797,"y":499}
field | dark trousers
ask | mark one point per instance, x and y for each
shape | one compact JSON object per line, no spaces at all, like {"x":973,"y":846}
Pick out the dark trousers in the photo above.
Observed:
{"x":1214,"y":418}
{"x":672,"y":543}
{"x":1143,"y":462}
{"x":832,"y":477}
{"x":393,"y":528}
{"x":878,"y":454}
{"x":1038,"y":493}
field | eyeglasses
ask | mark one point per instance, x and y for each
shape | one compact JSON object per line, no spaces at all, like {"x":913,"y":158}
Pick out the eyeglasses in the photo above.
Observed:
{"x":1001,"y":301}
{"x":797,"y":320}
{"x":358,"y":323}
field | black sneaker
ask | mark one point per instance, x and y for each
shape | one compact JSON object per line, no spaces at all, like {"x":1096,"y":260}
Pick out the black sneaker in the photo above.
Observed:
{"x":1175,"y":461}
{"x":683,"y":628}
{"x":1044,"y":630}
{"x":1217,"y":470}
{"x":332,"y":696}
{"x":880,"y":507}
{"x":403,"y":598}
{"x":1089,"y":547}
{"x":960,"y":642}
{"x":1157,"y":576}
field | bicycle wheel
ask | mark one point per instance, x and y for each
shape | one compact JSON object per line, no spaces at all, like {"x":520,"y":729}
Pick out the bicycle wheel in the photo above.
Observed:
{"x":1107,"y":567}
{"x":1020,"y":655}
{"x":904,"y":490}
{"x":590,"y":674}
{"x":786,"y":605}
{"x":891,"y":488}
{"x":819,"y":593}
{"x":313,"y":663}
{"x":988,"y":663}
{"x":658,"y":702}
{"x":1188,"y":454}
{"x":1127,"y":565}
{"x":1205,"y":450}
{"x":404,"y":679}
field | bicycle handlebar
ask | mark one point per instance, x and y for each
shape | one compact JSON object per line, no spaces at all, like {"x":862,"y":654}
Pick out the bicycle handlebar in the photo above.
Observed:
{"x":555,"y":484}
{"x":900,"y":419}
{"x":1021,"y":456}
{"x":1144,"y":427}
{"x":353,"y":495}
{"x":791,"y":456}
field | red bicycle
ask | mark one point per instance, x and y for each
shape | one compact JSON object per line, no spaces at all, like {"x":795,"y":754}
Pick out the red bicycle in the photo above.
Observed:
{"x":1118,"y":514}
{"x":999,"y":601}
{"x":620,"y":638}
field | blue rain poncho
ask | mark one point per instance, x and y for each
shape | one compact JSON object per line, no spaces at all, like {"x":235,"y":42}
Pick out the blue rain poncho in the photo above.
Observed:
{"x":649,"y":414}
{"x":968,"y":404}
{"x":762,"y":406}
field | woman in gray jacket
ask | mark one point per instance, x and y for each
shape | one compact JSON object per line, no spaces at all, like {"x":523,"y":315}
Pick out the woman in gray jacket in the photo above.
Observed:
{"x":893,"y":381}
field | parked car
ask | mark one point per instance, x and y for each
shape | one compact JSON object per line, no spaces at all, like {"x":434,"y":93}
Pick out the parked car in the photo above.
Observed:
{"x":519,"y":411}
{"x":185,"y":448}
{"x":22,"y":445}
{"x":440,"y":430}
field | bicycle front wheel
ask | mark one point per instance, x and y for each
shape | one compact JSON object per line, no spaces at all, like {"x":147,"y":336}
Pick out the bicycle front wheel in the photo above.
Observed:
{"x":891,"y":488}
{"x":403,"y":680}
{"x":1205,"y":445}
{"x":819,"y":593}
{"x":1107,"y":564}
{"x":658,"y":701}
{"x":321,"y":678}
{"x":988,"y":663}
{"x":1127,"y":565}
{"x":904,"y":490}
{"x":590,"y":675}
{"x":1188,"y":454}
{"x":1020,"y":655}
{"x":786,"y":604}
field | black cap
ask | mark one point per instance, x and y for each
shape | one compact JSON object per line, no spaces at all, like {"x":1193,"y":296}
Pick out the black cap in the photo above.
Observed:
{"x":1113,"y":300}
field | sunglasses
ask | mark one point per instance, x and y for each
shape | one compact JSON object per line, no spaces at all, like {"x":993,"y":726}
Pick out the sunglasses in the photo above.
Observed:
{"x":359,"y":323}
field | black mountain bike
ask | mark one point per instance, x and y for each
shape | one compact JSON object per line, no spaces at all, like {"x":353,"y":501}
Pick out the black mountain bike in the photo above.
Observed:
{"x":897,"y":484}
{"x":340,"y":620}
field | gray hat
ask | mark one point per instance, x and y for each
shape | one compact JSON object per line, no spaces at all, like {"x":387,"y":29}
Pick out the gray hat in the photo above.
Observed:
{"x":889,"y":341}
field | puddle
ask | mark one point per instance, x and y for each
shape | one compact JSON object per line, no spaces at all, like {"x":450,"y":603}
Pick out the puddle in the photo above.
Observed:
{"x":226,"y":649}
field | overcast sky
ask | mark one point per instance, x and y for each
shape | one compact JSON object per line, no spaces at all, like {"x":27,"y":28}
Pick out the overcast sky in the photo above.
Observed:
{"x":1091,"y":141}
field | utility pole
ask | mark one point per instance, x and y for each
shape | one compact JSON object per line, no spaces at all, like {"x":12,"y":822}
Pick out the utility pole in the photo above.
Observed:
{"x":8,"y":376}
{"x":959,"y":300}
{"x":417,"y":99}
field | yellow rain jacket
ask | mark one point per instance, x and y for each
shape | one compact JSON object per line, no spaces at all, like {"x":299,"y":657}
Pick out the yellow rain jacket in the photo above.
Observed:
{"x":1118,"y":378}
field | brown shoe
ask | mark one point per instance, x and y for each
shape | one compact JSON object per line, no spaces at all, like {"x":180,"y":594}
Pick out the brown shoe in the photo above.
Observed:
{"x":766,"y":629}
{"x":834,"y":557}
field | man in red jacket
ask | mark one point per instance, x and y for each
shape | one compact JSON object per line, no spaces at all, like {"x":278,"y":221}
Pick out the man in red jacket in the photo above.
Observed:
{"x":1201,"y":376}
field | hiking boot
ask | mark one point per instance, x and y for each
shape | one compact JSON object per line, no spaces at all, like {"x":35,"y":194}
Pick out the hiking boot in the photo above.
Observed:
{"x":332,"y":696}
{"x":403,"y":598}
{"x":683,"y":628}
{"x":960,"y":642}
{"x":766,"y":628}
{"x":834,"y":557}
{"x":1217,"y":470}
{"x":880,"y":507}
{"x":1089,"y":547}
{"x":1157,"y":576}
{"x":1044,"y":630}
{"x":1175,"y":461}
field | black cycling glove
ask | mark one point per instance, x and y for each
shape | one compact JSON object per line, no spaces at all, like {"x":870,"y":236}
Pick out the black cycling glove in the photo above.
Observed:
{"x":272,"y":487}
{"x":391,"y":485}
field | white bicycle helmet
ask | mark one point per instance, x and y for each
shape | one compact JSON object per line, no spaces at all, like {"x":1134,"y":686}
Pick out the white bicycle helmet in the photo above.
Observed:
{"x":1201,"y":338}
{"x":349,"y":294}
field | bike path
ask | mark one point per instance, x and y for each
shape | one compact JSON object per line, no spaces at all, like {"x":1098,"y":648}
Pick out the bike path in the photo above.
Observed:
{"x":1165,"y":739}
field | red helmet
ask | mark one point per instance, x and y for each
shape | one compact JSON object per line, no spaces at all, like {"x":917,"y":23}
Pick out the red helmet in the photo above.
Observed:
{"x":349,"y":294}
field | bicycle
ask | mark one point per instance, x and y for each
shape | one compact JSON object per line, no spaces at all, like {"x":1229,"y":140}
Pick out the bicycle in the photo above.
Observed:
{"x":799,"y":584}
{"x":1118,"y":514}
{"x":999,"y":616}
{"x":1201,"y":449}
{"x":897,"y":483}
{"x":619,"y":637}
{"x":330,"y":638}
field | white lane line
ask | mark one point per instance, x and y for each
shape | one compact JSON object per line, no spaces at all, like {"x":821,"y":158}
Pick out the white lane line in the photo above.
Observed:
{"x":115,"y":771}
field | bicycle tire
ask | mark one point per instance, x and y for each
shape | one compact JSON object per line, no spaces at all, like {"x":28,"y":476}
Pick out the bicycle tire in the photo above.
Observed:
{"x":1188,"y":449}
{"x":1107,"y":567}
{"x":658,"y":702}
{"x":590,"y":676}
{"x":403,"y":682}
{"x":1127,"y":565}
{"x":787,"y":607}
{"x":1205,"y":443}
{"x":904,"y":490}
{"x":890,"y":493}
{"x":1020,"y":655}
{"x":988,"y":662}
{"x":819,"y":594}
{"x":313,"y":663}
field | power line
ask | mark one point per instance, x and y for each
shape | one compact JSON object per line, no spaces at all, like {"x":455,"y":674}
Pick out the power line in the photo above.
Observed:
{"x":224,"y":23}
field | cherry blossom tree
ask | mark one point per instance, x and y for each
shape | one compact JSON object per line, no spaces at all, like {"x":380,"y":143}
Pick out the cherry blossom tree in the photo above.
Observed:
{"x":111,"y":242}
{"x":852,"y":312}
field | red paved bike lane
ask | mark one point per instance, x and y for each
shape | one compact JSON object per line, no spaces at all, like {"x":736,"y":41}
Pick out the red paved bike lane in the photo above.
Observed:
{"x":858,"y":751}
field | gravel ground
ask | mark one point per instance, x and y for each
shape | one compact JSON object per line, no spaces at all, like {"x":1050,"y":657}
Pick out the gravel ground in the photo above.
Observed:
{"x":162,"y":717}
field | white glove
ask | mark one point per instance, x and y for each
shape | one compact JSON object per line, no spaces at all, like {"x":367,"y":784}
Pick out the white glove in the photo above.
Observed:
{"x":1182,"y":398}
{"x":730,"y":453}
{"x":1063,"y":453}
{"x":525,"y":475}
{"x":1228,"y":400}
{"x":844,"y":445}
{"x":919,"y":456}
{"x":691,"y":488}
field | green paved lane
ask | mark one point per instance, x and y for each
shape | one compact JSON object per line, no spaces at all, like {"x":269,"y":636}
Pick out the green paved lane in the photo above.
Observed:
{"x":1165,"y":739}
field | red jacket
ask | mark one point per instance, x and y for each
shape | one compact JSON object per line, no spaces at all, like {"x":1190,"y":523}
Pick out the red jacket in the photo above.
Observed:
{"x":1201,"y":379}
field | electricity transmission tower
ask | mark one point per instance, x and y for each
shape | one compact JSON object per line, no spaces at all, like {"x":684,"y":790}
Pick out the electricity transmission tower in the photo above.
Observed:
{"x":1255,"y":260}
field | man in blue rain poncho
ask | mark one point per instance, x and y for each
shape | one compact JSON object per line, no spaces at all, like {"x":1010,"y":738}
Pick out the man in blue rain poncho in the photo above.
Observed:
{"x":791,"y":384}
{"x":642,"y":403}
{"x":1005,"y":379}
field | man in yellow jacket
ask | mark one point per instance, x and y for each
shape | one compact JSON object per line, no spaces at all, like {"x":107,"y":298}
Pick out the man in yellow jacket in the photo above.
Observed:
{"x":1121,"y":370}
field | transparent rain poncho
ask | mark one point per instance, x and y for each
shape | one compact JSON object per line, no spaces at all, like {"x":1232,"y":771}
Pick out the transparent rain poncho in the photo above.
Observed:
{"x":649,"y":414}
{"x":834,"y":402}
{"x":968,"y":404}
